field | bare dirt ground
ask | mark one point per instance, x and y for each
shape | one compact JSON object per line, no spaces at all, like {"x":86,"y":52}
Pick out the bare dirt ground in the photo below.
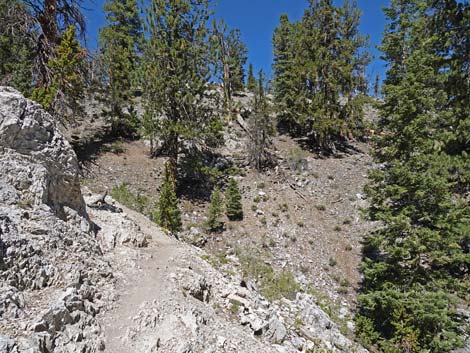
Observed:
{"x":142,"y":281}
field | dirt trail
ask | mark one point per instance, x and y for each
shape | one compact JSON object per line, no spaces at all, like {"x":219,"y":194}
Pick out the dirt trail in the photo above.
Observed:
{"x":142,"y":280}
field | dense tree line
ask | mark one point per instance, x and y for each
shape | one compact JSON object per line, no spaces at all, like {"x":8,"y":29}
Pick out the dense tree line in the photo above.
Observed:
{"x":170,"y":55}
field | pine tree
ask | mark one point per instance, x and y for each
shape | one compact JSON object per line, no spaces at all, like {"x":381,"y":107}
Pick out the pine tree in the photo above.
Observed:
{"x":167,"y":214}
{"x":416,"y":264}
{"x":260,"y":129}
{"x":251,"y":81}
{"x":120,"y":46}
{"x":62,"y":97}
{"x":17,"y":42}
{"x":234,"y":208}
{"x":352,"y":62}
{"x":319,"y":72}
{"x":52,"y":18}
{"x":176,"y":66}
{"x":213,"y":222}
{"x":230,"y":57}
{"x":286,"y":72}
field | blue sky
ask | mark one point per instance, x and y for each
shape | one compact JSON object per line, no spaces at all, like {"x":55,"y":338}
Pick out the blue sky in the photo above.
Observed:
{"x":257,"y":20}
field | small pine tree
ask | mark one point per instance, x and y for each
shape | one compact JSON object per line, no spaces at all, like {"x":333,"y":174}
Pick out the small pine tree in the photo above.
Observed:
{"x":234,"y":207}
{"x":167,"y":214}
{"x":251,"y":81}
{"x":213,"y":223}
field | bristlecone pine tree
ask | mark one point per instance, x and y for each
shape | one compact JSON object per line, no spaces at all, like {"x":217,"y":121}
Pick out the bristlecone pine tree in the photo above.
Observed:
{"x":319,"y":72}
{"x":120,"y":45}
{"x":287,"y":82}
{"x":52,"y":18}
{"x":251,"y":80}
{"x":260,"y":129}
{"x":214,"y":222}
{"x":417,"y":263}
{"x":176,"y":69}
{"x":167,"y":214}
{"x":233,"y":201}
{"x":230,"y":57}
{"x":67,"y":87}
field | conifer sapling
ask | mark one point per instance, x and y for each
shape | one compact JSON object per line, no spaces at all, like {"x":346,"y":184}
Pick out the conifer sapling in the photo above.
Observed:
{"x":167,"y":214}
{"x":213,"y":222}
{"x":234,"y":207}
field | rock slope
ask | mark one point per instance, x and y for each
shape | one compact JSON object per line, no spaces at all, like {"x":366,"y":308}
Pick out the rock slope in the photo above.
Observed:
{"x":104,"y":278}
{"x":53,"y":279}
{"x":172,"y":300}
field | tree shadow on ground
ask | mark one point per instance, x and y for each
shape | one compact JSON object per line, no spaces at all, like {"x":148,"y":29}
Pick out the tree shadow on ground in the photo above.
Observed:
{"x":340,"y":148}
{"x":90,"y":148}
{"x":200,"y":172}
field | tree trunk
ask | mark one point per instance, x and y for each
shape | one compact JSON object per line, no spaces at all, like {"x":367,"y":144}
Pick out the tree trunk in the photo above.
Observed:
{"x":47,"y":41}
{"x":173,"y":146}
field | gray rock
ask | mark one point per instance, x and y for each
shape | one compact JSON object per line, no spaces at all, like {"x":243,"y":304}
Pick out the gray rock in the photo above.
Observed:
{"x":276,"y":331}
{"x":194,"y":237}
{"x":45,"y":243}
{"x":257,"y":324}
{"x":37,"y":160}
{"x":7,"y":345}
{"x":197,"y":286}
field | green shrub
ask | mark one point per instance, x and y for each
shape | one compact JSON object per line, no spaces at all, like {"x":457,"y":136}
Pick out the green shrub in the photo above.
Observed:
{"x":123,"y":195}
{"x":272,"y":285}
{"x":332,"y":262}
{"x":296,"y":159}
{"x":25,"y":203}
{"x":235,"y":306}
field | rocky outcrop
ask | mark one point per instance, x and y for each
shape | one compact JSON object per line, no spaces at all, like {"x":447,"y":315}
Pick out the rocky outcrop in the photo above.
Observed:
{"x":38,"y":165}
{"x":52,"y":275}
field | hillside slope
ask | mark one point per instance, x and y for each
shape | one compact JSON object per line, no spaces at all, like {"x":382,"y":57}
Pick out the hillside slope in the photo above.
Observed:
{"x":86,"y":275}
